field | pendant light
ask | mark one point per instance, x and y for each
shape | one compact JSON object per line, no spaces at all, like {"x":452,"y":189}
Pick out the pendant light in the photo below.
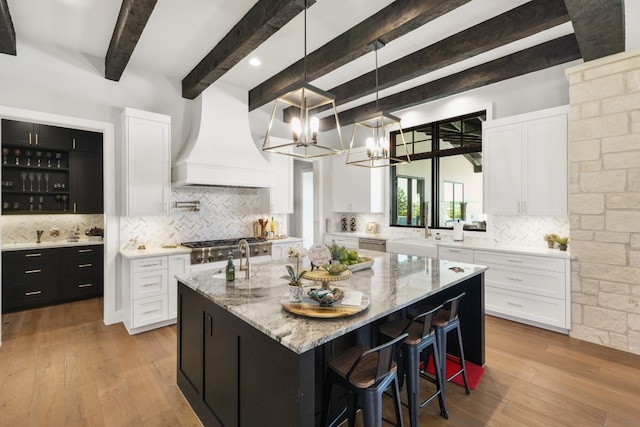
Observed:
{"x":305,"y":142}
{"x":369,"y":145}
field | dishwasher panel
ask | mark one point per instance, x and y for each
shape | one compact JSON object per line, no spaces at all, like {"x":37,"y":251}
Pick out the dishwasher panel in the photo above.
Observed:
{"x":377,"y":245}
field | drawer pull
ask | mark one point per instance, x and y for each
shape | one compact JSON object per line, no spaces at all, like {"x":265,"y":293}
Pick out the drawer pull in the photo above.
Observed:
{"x":514,"y":260}
{"x":28,"y":294}
{"x":151,"y":311}
{"x":151,"y":284}
{"x":32,"y":271}
{"x":515,"y":279}
{"x":32,"y":255}
{"x":85,"y":285}
{"x":453,"y":250}
{"x":84,"y":250}
{"x":514,"y":304}
{"x":85,"y":265}
{"x":154,"y":264}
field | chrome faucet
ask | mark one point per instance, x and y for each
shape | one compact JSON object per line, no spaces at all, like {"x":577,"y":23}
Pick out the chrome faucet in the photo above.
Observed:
{"x":425,"y":213}
{"x":243,"y":248}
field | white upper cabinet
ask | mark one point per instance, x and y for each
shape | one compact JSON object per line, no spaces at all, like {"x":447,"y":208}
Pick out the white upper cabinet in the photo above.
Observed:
{"x":279,"y":199}
{"x":525,"y":164}
{"x":356,"y":189}
{"x":146,"y":175}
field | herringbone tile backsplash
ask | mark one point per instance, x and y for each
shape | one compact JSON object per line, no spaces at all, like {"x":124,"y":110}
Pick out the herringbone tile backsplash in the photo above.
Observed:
{"x":22,"y":228}
{"x":224,"y":213}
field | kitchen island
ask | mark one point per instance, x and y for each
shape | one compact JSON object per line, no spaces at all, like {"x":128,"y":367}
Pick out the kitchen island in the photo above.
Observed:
{"x":243,"y":360}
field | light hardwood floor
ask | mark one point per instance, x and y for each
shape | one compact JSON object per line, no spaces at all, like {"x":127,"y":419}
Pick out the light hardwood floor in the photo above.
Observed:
{"x":61,"y":366}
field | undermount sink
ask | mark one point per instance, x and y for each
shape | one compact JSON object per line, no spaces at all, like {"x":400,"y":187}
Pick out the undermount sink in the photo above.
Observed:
{"x":409,"y":246}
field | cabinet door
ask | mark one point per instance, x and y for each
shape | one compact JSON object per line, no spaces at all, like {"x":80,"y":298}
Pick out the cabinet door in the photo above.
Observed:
{"x":367,"y":186}
{"x":190,"y":338}
{"x":53,"y":137}
{"x":341,"y":184}
{"x":544,"y":186}
{"x":17,"y":133}
{"x":279,"y":199}
{"x":86,"y":173}
{"x":178,"y":264}
{"x":502,"y":151}
{"x":148,"y":167}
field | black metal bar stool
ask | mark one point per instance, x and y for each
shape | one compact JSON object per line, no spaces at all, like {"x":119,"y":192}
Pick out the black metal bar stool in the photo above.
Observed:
{"x":446,"y":320}
{"x":419,"y":344}
{"x":365,"y":374}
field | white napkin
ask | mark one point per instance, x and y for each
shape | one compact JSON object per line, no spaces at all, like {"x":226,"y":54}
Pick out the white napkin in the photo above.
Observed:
{"x":351,"y":298}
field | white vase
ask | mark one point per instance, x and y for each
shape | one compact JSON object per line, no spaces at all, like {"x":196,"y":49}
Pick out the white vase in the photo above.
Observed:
{"x":295,"y":293}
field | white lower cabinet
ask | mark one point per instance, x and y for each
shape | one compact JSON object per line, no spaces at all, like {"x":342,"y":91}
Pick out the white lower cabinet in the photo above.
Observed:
{"x":346,"y":241}
{"x":150,"y":290}
{"x":455,"y":254}
{"x":280,"y":250}
{"x":527,"y":288}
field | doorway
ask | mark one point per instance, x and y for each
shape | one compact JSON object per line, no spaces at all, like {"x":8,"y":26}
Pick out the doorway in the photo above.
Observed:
{"x":301,"y":220}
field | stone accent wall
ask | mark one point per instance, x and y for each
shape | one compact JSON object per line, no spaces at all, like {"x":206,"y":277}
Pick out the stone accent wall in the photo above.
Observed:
{"x":604,"y":200}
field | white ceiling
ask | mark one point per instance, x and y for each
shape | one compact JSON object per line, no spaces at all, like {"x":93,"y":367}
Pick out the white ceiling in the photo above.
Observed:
{"x":181,"y":32}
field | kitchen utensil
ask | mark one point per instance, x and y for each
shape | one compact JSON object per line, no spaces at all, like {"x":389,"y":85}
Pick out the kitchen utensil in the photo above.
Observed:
{"x":263,"y":223}
{"x":39,"y":235}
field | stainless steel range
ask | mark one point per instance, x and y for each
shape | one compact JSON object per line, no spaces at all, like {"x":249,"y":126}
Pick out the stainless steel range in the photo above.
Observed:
{"x":214,"y":253}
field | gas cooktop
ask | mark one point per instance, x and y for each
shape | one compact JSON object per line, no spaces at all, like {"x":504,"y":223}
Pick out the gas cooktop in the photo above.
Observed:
{"x":222,"y":242}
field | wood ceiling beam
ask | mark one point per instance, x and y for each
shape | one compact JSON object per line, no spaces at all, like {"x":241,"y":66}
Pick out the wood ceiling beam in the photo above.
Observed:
{"x":7,"y":32}
{"x":133,"y":17}
{"x":515,"y":24}
{"x":261,"y":22}
{"x":599,"y":26}
{"x":545,"y":55}
{"x":390,"y":23}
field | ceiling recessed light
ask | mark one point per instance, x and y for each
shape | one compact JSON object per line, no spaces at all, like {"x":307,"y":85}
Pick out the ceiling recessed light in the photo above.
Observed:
{"x":255,"y":62}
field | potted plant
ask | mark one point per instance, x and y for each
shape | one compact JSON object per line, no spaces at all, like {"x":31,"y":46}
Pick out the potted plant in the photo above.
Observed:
{"x":562,"y":242}
{"x":295,"y":275}
{"x":338,"y":253}
{"x":550,"y":239}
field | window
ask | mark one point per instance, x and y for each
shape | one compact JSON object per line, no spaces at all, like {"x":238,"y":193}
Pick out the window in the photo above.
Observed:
{"x":444,"y":178}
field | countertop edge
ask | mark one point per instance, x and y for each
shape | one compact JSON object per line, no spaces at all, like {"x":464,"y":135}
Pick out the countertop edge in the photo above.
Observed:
{"x":8,"y":247}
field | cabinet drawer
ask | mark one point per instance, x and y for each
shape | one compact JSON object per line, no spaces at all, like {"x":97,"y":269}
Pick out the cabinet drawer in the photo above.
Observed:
{"x":42,"y":255}
{"x":30,"y":272}
{"x":82,"y":266}
{"x":517,"y":260}
{"x":31,"y":294}
{"x":150,"y":310}
{"x":456,"y":254}
{"x":548,"y":311}
{"x":151,"y":263}
{"x":96,"y":250}
{"x":150,"y":283}
{"x":81,"y":288}
{"x":544,"y":283}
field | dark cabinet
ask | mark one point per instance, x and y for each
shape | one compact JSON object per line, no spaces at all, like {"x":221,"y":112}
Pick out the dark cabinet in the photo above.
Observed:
{"x":33,"y":135}
{"x":35,"y":278}
{"x":86,"y":173}
{"x":61,"y":173}
{"x":82,"y":272}
{"x":30,"y":278}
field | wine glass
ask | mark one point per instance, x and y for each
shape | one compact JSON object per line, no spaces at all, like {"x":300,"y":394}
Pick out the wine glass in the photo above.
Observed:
{"x":5,"y":153}
{"x":31,"y":203}
{"x":58,"y":198}
{"x":40,"y":201}
{"x":58,"y":158}
{"x":48,"y":156}
{"x":46,"y":182}
{"x":31,"y":178}
{"x":17,"y":153}
{"x":28,"y":154}
{"x":23,"y":175}
{"x":38,"y":156}
{"x":39,"y":178}
{"x":64,"y":202}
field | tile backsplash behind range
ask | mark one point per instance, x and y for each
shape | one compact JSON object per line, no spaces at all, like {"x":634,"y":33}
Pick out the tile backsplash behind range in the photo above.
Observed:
{"x":224,"y":213}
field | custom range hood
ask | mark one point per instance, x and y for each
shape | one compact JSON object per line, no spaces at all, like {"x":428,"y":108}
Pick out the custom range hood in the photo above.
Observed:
{"x":220,"y":150}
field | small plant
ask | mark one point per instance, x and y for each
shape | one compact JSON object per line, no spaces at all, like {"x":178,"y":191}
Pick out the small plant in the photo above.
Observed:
{"x":550,"y":239}
{"x":338,"y":252}
{"x":562,"y":240}
{"x":295,"y":275}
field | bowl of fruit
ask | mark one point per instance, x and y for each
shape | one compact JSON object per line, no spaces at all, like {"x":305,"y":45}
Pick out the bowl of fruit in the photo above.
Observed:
{"x":350,"y":258}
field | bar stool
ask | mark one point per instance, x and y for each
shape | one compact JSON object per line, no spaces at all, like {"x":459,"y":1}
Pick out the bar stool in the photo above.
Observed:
{"x":446,"y":320}
{"x":419,"y":344}
{"x":365,"y":374}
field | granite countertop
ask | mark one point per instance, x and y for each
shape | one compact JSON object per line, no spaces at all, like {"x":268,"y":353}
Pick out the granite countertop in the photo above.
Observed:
{"x":48,"y":244}
{"x":154,"y":251}
{"x":394,"y":282}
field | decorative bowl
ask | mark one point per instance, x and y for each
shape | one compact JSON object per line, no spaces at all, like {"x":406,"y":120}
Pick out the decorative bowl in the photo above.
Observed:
{"x":335,"y":268}
{"x":326,"y":297}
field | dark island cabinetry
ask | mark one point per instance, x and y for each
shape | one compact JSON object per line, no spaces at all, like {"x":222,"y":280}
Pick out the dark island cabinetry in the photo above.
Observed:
{"x":49,"y":169}
{"x":39,"y":277}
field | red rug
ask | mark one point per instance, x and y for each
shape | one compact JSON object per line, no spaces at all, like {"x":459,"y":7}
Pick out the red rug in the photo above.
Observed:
{"x":474,"y":372}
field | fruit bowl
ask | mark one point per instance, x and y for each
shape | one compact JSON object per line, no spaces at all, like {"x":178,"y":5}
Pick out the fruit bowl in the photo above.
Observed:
{"x":335,"y":268}
{"x":366,"y":263}
{"x":326,"y":297}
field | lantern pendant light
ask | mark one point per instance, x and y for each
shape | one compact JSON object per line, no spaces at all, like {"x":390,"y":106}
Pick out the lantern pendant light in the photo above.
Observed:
{"x":369,"y":145}
{"x":305,"y":142}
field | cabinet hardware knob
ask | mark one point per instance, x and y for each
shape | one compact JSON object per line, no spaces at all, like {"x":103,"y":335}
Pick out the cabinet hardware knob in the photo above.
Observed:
{"x":84,"y":250}
{"x":515,"y":279}
{"x":515,"y":260}
{"x":32,"y":255}
{"x":150,"y":311}
{"x":514,"y":304}
{"x":85,"y":285}
{"x":151,"y":284}
{"x":28,"y":294}
{"x":32,"y":271}
{"x":84,"y":265}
